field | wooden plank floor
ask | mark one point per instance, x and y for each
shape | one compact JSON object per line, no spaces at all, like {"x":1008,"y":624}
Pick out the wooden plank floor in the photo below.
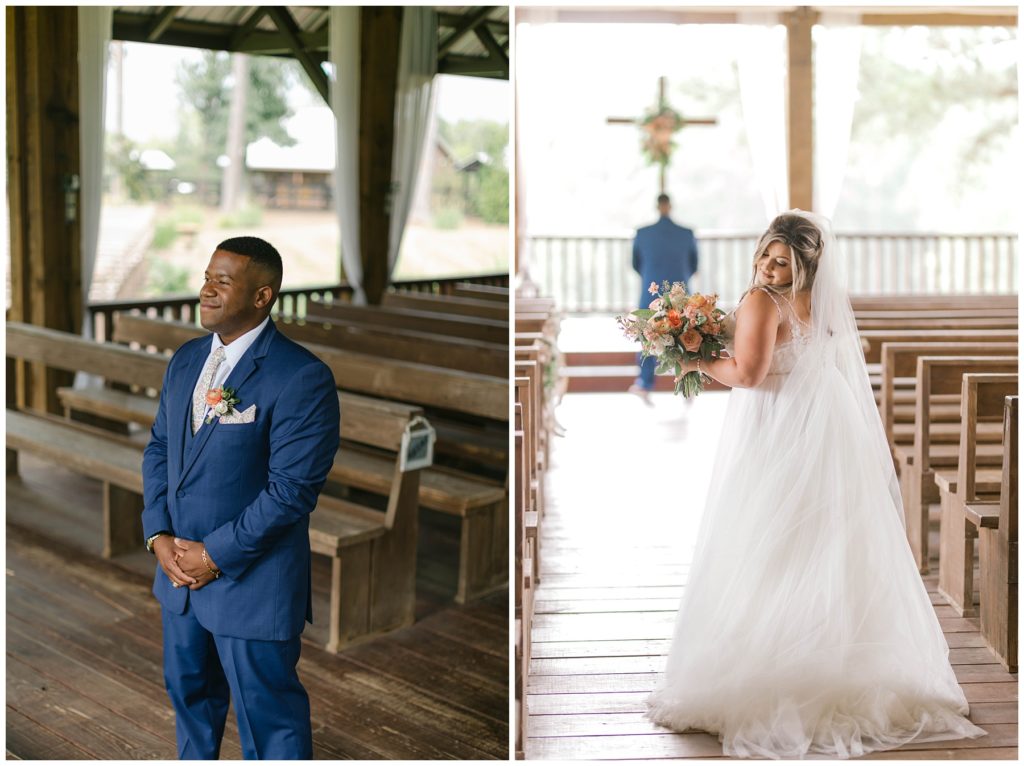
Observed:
{"x":84,"y":660}
{"x":614,"y":559}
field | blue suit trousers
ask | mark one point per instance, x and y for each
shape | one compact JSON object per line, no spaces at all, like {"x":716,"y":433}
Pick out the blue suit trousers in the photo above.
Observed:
{"x":202,"y":671}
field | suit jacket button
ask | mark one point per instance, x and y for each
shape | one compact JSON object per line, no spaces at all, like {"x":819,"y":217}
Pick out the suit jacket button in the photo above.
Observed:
{"x":180,"y":493}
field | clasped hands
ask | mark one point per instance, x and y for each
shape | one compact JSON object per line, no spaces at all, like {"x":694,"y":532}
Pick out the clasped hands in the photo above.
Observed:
{"x":182,"y":561}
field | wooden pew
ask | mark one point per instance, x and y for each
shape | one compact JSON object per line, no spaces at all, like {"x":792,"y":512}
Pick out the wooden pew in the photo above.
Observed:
{"x":899,"y":365}
{"x":481,"y":292}
{"x":937,"y":376}
{"x":388,"y":342}
{"x":373,"y":554}
{"x":998,"y":555}
{"x":971,"y":500}
{"x":447,"y":304}
{"x":480,"y":503}
{"x":946,"y":323}
{"x":931,"y":302}
{"x":876,"y":338}
{"x":490,"y":330}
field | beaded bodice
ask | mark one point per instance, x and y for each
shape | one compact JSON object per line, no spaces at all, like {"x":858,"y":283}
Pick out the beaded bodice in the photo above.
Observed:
{"x":792,"y":342}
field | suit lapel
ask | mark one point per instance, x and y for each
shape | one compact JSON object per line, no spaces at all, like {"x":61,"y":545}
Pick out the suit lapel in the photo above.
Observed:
{"x":247,"y":365}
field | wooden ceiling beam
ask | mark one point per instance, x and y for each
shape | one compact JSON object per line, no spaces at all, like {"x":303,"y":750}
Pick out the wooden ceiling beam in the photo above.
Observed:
{"x":160,"y":24}
{"x":286,"y":24}
{"x":470,"y":21}
{"x":471,"y":66}
{"x":452,"y":20}
{"x":497,"y":53}
{"x":248,"y":27}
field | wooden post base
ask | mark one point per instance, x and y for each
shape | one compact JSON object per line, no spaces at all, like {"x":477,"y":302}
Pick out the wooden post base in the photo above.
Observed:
{"x":483,"y":553}
{"x":122,"y":520}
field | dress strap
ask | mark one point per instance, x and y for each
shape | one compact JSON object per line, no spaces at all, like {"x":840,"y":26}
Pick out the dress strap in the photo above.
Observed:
{"x":775,"y":300}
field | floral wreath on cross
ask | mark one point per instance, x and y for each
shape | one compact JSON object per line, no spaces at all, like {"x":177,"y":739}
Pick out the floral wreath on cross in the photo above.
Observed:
{"x":658,"y":126}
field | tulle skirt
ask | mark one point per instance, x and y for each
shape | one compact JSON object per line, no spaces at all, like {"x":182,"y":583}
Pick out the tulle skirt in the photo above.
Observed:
{"x":805,"y":627}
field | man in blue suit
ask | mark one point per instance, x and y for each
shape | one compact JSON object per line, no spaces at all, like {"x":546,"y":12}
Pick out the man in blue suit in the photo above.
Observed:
{"x":662,"y":251}
{"x":246,"y":431}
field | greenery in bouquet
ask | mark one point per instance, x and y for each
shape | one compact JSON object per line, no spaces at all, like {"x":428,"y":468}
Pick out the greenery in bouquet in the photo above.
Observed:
{"x":677,"y":328}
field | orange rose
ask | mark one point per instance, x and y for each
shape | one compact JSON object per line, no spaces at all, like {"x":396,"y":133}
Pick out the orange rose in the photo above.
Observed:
{"x":691,"y":340}
{"x":659,"y":325}
{"x":712,"y":328}
{"x":214,"y":395}
{"x":674,"y":318}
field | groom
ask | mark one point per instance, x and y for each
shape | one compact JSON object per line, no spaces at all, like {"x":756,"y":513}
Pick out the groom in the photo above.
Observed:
{"x":662,"y":251}
{"x":245,"y":434}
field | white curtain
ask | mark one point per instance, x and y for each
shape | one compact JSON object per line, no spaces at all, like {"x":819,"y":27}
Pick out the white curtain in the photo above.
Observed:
{"x":762,"y":75}
{"x":417,"y":65}
{"x":343,"y":53}
{"x":837,"y":40}
{"x":94,"y":33}
{"x":533,"y":47}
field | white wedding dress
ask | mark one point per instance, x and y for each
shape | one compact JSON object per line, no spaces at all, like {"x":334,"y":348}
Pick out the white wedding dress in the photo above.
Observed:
{"x":805,"y":627}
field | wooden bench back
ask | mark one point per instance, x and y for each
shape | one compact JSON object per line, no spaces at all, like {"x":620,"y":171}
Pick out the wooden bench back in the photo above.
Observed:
{"x":899,"y":360}
{"x":447,"y":304}
{"x":877,"y":338}
{"x":897,"y":314}
{"x":426,"y":385}
{"x":942,"y":323}
{"x":66,"y":351}
{"x":482,"y":292}
{"x":1008,"y":493}
{"x":490,"y":330}
{"x":927,"y":302}
{"x":983,"y":398}
{"x":392,"y":343}
{"x":364,"y":419}
{"x":941,"y":375}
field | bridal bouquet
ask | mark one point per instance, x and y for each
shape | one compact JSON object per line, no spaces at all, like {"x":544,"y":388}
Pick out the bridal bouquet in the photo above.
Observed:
{"x":677,"y":328}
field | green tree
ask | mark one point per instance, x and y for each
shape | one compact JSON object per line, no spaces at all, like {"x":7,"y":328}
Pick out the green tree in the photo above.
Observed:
{"x":205,"y":94}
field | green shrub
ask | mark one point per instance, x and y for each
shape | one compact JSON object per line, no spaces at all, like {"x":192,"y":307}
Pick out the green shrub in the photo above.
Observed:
{"x":164,"y":234}
{"x":245,"y":217}
{"x":447,"y":218}
{"x":167,"y":279}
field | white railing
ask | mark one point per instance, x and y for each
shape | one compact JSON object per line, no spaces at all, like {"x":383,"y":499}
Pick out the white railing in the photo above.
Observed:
{"x":595,"y":274}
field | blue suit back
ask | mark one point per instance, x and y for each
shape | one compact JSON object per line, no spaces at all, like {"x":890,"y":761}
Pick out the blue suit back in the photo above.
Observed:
{"x":245,"y":490}
{"x":663,"y":251}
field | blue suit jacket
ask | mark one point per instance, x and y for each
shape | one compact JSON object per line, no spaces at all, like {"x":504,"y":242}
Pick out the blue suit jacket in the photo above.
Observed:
{"x":663,"y":250}
{"x":245,"y":490}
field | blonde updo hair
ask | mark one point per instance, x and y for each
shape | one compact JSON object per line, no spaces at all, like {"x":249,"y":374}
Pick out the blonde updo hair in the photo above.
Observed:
{"x":805,"y":243}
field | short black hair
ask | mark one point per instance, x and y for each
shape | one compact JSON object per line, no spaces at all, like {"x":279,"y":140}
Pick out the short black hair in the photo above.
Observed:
{"x":261,"y":253}
{"x":663,"y":199}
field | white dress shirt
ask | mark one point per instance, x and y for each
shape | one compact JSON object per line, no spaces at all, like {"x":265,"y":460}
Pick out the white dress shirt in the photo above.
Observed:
{"x":232,"y":353}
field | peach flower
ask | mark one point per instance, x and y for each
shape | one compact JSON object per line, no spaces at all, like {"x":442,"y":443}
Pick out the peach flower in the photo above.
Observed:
{"x":691,"y":340}
{"x":674,"y":318}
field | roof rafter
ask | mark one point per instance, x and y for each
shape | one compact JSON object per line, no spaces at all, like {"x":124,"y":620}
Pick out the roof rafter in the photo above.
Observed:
{"x":286,"y":24}
{"x":497,"y":53}
{"x":469,"y":22}
{"x":160,"y":23}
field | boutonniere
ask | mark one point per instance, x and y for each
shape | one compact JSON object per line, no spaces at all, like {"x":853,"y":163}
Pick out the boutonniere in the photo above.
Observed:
{"x":222,"y":400}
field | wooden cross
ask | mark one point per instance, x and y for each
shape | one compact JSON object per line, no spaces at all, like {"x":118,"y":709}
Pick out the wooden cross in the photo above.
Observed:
{"x":660,"y":129}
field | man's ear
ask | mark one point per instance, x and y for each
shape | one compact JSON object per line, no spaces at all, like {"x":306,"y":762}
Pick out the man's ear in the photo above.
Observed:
{"x":264,"y":296}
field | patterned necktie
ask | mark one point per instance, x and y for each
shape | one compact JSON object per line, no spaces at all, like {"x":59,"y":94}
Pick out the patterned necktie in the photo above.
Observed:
{"x":205,"y":380}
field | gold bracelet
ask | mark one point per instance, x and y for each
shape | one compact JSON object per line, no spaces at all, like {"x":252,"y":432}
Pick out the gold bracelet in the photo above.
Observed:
{"x":700,"y":371}
{"x":206,"y":561}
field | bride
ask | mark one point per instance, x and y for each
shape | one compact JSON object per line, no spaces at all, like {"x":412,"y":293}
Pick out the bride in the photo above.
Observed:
{"x":805,"y":626}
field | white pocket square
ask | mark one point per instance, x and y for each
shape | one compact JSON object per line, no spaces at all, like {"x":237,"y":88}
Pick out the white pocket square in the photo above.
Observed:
{"x":246,"y":416}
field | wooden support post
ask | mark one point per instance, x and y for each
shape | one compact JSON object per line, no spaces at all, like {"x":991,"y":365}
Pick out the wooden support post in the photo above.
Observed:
{"x":43,"y":176}
{"x":381,"y":34}
{"x":800,"y":107}
{"x":122,"y":520}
